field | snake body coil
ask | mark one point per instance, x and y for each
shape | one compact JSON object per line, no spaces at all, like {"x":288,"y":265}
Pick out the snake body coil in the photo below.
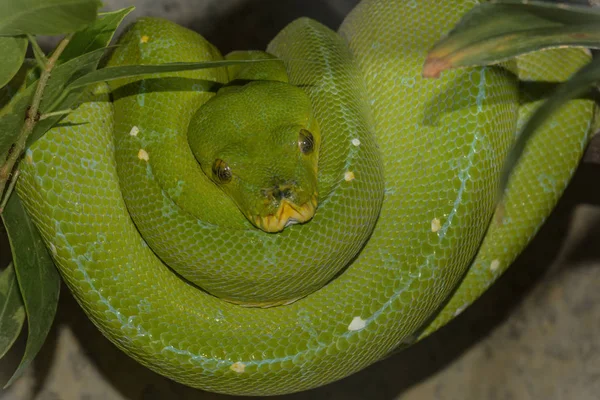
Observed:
{"x":407,"y":171}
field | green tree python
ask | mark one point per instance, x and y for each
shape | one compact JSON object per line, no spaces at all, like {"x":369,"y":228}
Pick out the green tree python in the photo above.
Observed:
{"x":271,"y":227}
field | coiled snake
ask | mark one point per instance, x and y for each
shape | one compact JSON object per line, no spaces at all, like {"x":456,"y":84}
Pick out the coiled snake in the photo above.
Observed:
{"x":377,"y":187}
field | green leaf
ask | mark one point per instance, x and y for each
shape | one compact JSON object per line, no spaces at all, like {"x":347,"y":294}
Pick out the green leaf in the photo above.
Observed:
{"x":14,"y":99}
{"x":12,"y":117}
{"x":57,"y":97}
{"x":38,"y":278}
{"x":494,"y":32}
{"x":46,"y":17}
{"x":579,"y":84}
{"x":38,"y":53}
{"x":12,"y":312}
{"x":13,"y":52}
{"x":92,"y":41}
{"x":128,"y":71}
{"x":96,"y":36}
{"x":23,"y":78}
{"x":66,"y":73}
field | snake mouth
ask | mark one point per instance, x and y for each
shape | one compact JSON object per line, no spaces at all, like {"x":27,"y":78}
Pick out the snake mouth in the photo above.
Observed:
{"x":287,"y":214}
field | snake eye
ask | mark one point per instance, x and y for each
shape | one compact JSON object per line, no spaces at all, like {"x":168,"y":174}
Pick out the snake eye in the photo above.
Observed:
{"x":221,"y":171}
{"x":306,"y":142}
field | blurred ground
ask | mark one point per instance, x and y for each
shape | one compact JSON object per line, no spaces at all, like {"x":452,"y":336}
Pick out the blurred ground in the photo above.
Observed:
{"x":534,"y":335}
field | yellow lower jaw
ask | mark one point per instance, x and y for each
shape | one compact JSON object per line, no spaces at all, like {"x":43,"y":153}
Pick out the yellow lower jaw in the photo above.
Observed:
{"x":287,"y":214}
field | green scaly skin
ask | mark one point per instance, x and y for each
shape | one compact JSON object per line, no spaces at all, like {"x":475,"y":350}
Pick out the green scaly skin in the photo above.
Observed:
{"x":422,"y":175}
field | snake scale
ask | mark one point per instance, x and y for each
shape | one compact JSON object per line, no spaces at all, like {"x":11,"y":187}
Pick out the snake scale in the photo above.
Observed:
{"x":163,"y":255}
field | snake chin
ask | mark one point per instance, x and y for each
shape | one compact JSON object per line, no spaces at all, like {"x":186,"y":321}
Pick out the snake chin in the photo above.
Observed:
{"x":287,"y":214}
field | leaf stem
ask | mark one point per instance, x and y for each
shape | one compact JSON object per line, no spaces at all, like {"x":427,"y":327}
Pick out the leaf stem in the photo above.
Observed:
{"x":32,"y":116}
{"x":9,"y":190}
{"x":38,"y":53}
{"x":55,"y":113}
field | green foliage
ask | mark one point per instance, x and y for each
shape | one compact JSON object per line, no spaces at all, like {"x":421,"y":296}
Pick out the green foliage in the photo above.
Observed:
{"x":31,"y":288}
{"x":12,"y":117}
{"x":38,"y":278}
{"x":56,"y":96}
{"x":14,"y":49}
{"x":45,"y":17}
{"x":500,"y":30}
{"x":96,"y":36}
{"x":578,"y":85}
{"x":12,"y":311}
{"x":128,"y":71}
{"x":494,"y":32}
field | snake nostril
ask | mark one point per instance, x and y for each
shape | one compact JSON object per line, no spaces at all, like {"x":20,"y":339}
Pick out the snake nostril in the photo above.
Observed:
{"x":278,"y":192}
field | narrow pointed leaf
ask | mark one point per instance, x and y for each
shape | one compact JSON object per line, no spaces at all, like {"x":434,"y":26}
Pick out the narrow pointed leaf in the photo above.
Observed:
{"x":579,"y":84}
{"x":95,"y":36}
{"x":55,"y":95}
{"x":12,"y":311}
{"x":12,"y":117}
{"x":584,"y":12}
{"x":13,"y":53}
{"x":14,"y":99}
{"x":494,"y":32}
{"x":128,"y":71}
{"x":38,"y":278}
{"x":66,"y":73}
{"x":27,"y":74}
{"x":46,"y":17}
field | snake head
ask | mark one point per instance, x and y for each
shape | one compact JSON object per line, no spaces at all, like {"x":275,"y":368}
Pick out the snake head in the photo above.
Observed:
{"x":260,"y":144}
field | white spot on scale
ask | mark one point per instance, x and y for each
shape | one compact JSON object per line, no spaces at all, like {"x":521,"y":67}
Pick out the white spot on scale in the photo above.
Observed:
{"x":460,"y":309}
{"x":134,"y":131}
{"x":494,"y":265}
{"x":143,"y":155}
{"x":348,"y":176}
{"x":436,"y":225}
{"x":53,"y":249}
{"x":29,"y":156}
{"x":357,"y":324}
{"x":238,"y":367}
{"x":356,"y":142}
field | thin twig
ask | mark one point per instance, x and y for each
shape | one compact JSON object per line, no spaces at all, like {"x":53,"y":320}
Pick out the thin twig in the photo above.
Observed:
{"x":55,"y":113}
{"x":38,"y":53}
{"x":9,"y":190}
{"x":32,"y":115}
